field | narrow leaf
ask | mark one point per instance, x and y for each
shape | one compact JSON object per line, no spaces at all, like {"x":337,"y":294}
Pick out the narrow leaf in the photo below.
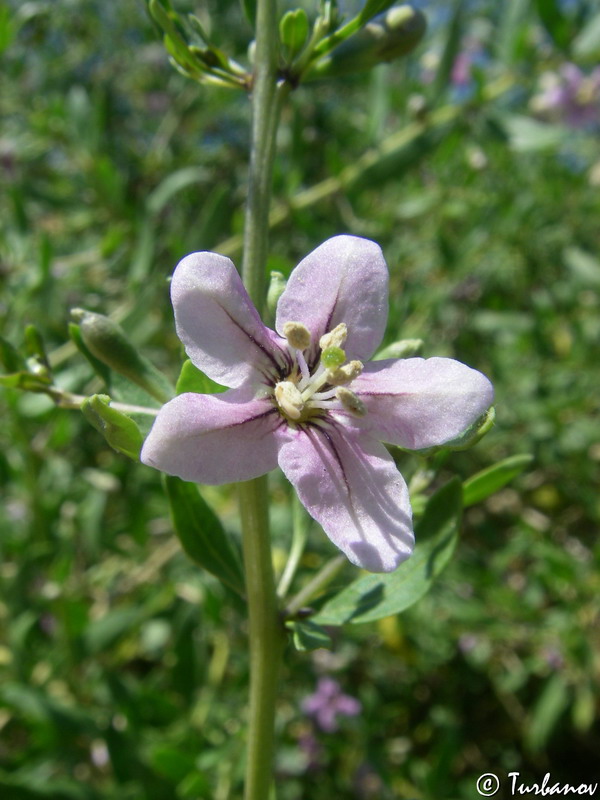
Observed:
{"x":201,"y":534}
{"x":10,"y":358}
{"x":373,"y":7}
{"x":490,"y":480}
{"x":293,"y":30}
{"x":34,"y":345}
{"x":249,"y":7}
{"x":450,"y":51}
{"x":553,"y":701}
{"x":101,"y":634}
{"x":28,"y":381}
{"x":177,"y":181}
{"x":555,"y":22}
{"x":587,"y":43}
{"x":375,"y":596}
{"x":309,"y":636}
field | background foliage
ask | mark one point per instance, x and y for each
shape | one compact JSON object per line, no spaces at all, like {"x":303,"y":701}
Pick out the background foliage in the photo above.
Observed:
{"x":123,"y":667}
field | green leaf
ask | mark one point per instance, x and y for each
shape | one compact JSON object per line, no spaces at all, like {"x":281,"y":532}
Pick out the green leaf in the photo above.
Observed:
{"x":555,"y":22}
{"x":35,"y":787}
{"x":490,"y":480}
{"x":191,"y":379}
{"x":513,"y":31}
{"x":11,"y":359}
{"x":293,"y":30}
{"x":586,"y":46}
{"x":174,"y":183}
{"x":201,"y":534}
{"x":451,"y":50}
{"x":375,"y":596}
{"x":27,"y":381}
{"x":102,"y":633}
{"x":34,"y":345}
{"x":528,"y":135}
{"x":584,"y":267}
{"x":119,"y":430}
{"x":174,"y":41}
{"x":249,"y":7}
{"x":554,"y":699}
{"x":307,"y":635}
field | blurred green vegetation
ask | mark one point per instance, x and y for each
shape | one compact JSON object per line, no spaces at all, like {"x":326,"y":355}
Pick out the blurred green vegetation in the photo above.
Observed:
{"x":123,"y":668}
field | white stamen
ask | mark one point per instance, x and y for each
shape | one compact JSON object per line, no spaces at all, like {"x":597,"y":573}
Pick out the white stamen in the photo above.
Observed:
{"x":324,"y":395}
{"x":314,"y":383}
{"x":303,"y":366}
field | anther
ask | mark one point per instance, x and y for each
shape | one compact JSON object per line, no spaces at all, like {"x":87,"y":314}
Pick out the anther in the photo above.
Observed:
{"x":289,"y":399}
{"x":335,"y":338}
{"x":297,"y":334}
{"x":343,"y":375}
{"x":351,"y":402}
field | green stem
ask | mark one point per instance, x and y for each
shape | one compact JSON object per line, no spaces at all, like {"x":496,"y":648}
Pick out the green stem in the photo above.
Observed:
{"x":266,"y":633}
{"x":299,"y":537}
{"x":265,"y":118}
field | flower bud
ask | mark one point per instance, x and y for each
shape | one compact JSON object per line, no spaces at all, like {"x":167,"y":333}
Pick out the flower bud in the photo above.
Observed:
{"x":399,"y":34}
{"x":119,"y":430}
{"x":276,"y":287}
{"x":108,"y":343}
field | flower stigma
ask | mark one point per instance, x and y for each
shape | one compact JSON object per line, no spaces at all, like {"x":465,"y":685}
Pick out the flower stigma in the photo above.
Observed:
{"x":306,"y":394}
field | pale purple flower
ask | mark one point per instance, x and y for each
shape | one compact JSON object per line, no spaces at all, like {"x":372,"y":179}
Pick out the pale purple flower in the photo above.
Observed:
{"x":329,"y":702}
{"x":323,"y":423}
{"x":570,"y":95}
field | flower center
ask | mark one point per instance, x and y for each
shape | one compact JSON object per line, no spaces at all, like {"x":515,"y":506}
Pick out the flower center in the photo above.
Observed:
{"x":304,"y":395}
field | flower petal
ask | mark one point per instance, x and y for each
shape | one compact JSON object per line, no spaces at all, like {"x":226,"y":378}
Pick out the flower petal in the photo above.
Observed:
{"x":214,"y":438}
{"x":417,"y":403}
{"x":350,"y":485}
{"x":218,"y":324}
{"x":344,"y":280}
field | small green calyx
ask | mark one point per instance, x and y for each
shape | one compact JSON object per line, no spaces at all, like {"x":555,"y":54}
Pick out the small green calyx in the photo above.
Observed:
{"x":333,"y":357}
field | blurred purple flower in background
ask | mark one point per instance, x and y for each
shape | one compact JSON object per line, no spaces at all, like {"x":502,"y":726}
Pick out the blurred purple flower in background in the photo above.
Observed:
{"x":328,"y":702}
{"x":569,"y":96}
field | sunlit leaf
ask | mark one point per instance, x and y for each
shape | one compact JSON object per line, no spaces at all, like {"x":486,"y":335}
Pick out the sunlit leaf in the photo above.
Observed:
{"x":308,"y":636}
{"x":587,"y":43}
{"x":375,"y":596}
{"x":490,"y":480}
{"x":191,"y":379}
